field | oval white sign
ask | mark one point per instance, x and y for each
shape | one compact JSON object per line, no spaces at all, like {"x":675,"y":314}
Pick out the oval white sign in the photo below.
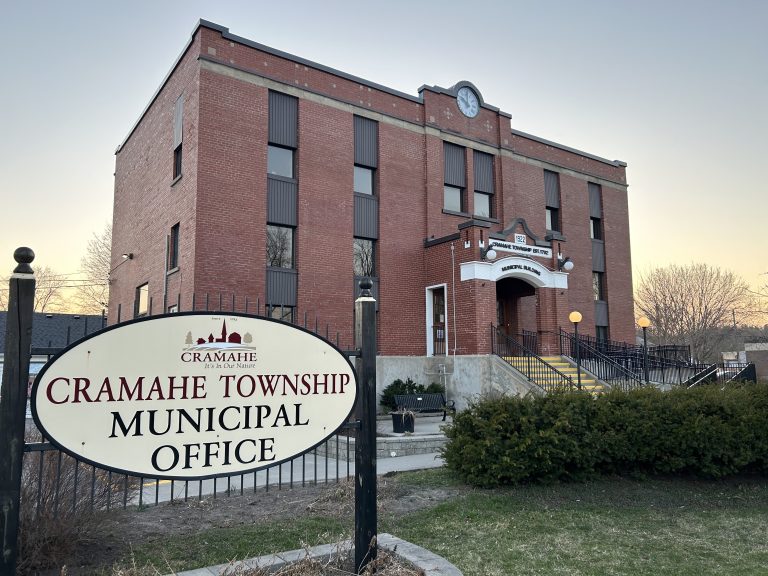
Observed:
{"x":194,"y":395}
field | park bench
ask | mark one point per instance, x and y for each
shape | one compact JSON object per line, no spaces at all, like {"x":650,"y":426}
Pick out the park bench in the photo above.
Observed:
{"x":425,"y":402}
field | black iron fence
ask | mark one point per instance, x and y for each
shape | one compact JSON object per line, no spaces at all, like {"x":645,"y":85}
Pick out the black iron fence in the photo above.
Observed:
{"x":622,"y":372}
{"x":530,"y":364}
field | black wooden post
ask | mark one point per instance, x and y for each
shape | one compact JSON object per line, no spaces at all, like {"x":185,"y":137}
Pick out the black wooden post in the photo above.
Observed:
{"x":365,"y":446}
{"x":13,"y":403}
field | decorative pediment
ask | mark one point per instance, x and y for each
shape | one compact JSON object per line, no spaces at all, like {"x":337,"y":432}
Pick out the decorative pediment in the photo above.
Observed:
{"x":517,"y":225}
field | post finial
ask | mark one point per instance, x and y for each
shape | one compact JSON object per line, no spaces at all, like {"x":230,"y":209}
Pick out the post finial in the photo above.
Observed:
{"x":365,"y":287}
{"x":24,"y":257}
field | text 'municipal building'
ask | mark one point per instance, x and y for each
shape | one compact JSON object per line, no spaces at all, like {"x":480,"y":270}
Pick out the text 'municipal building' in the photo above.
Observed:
{"x":266,"y":176}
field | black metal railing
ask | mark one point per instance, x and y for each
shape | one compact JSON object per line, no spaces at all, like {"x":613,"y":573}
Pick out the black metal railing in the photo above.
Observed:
{"x":724,"y":373}
{"x":615,"y":373}
{"x":59,"y":482}
{"x":528,"y":363}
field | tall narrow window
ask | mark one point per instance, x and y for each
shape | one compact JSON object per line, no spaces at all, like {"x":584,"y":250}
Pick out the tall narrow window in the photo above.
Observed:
{"x":483,"y":173}
{"x":364,"y":254}
{"x":280,"y":247}
{"x":552,"y":200}
{"x":363,"y":180}
{"x":595,"y":228}
{"x":173,"y":247}
{"x":598,"y":285}
{"x":178,"y":117}
{"x":141,"y":306}
{"x":279,"y":161}
{"x":455,"y":179}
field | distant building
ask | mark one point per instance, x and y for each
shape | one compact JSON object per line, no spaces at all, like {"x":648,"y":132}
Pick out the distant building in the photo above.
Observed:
{"x":52,"y":332}
{"x":257,"y":174}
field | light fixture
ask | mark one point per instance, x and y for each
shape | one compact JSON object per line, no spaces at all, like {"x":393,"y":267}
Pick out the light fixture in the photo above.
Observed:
{"x":576,"y":317}
{"x":128,"y":256}
{"x":564,"y":264}
{"x":488,"y":254}
{"x":643,"y":322}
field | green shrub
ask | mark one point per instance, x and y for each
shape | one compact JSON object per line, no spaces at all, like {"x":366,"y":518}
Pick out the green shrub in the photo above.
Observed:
{"x":387,"y":400}
{"x":704,"y":432}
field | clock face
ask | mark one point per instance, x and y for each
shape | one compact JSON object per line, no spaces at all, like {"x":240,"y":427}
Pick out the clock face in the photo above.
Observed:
{"x":467,"y":101}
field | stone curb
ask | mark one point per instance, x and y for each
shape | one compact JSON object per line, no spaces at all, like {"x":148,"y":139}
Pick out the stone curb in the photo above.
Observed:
{"x":432,"y":564}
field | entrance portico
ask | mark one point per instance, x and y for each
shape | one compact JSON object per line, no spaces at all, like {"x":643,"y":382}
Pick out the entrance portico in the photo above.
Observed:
{"x":517,"y":287}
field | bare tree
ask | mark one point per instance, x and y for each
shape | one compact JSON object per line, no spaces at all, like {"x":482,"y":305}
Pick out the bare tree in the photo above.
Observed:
{"x":279,"y":247}
{"x":364,"y":257}
{"x":50,"y":290}
{"x":92,"y":292}
{"x":689,"y":304}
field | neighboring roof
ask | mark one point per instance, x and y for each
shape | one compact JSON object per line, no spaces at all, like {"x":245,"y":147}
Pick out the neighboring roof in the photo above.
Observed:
{"x":56,"y":330}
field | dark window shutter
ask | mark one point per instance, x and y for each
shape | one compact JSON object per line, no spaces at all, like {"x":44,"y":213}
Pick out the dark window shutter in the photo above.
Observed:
{"x":455,"y":171}
{"x":595,"y":200}
{"x":366,"y":142}
{"x":178,"y":120}
{"x":283,"y":119}
{"x":483,"y":170}
{"x":552,"y":189}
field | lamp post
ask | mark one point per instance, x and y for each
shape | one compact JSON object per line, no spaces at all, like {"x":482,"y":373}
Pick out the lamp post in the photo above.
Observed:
{"x":575,"y":317}
{"x":643,"y":322}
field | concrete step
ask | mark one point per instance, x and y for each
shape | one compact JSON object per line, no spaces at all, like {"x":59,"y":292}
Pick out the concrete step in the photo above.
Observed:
{"x":588,"y":383}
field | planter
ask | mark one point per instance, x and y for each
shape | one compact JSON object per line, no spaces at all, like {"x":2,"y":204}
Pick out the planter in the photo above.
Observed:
{"x":403,"y":422}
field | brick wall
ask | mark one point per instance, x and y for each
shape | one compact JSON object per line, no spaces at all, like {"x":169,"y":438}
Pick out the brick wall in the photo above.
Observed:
{"x":221,"y":200}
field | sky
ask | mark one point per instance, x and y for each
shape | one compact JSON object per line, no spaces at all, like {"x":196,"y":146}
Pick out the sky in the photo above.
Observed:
{"x":677,"y":89}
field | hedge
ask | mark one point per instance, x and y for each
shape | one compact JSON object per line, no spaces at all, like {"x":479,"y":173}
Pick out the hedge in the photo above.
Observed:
{"x":705,"y":432}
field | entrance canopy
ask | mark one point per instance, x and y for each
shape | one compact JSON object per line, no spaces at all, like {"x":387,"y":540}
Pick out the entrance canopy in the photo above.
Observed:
{"x":515,"y":267}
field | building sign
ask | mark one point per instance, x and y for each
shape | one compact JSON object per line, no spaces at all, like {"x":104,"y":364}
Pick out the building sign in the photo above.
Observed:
{"x":525,"y":267}
{"x":520,"y":249}
{"x":194,"y":395}
{"x":521,"y":239}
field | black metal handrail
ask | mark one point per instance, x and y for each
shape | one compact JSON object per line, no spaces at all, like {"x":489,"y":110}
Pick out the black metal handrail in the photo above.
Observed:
{"x":723,"y":373}
{"x":533,"y":367}
{"x":615,"y":374}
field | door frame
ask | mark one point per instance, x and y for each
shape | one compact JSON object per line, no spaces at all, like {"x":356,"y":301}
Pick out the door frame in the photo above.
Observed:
{"x":430,"y":315}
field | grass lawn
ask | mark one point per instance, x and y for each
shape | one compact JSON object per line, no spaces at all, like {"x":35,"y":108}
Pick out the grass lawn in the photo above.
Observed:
{"x":613,"y":526}
{"x":605,"y":527}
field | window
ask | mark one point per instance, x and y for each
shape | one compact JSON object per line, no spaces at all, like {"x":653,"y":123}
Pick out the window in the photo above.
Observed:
{"x":552,"y":200}
{"x":598,"y":285}
{"x":177,"y":162}
{"x":364,"y":257}
{"x":454,"y":177}
{"x":553,"y":219}
{"x":173,"y":248}
{"x":142,"y":301}
{"x":279,"y":246}
{"x":284,"y":313}
{"x":452,"y":198}
{"x":483,"y":176}
{"x":280,"y":161}
{"x":482,"y":204}
{"x":178,"y":117}
{"x":363,"y":180}
{"x":595,"y":229}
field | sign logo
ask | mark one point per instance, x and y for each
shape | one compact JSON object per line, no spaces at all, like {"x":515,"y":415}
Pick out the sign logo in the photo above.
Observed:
{"x":194,"y":395}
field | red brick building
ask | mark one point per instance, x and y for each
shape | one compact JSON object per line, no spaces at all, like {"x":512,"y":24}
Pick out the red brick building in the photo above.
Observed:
{"x":263,"y":175}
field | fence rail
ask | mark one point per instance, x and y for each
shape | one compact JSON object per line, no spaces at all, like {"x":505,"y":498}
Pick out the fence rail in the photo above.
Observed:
{"x":58,"y":481}
{"x":530,"y":364}
{"x":619,"y":373}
